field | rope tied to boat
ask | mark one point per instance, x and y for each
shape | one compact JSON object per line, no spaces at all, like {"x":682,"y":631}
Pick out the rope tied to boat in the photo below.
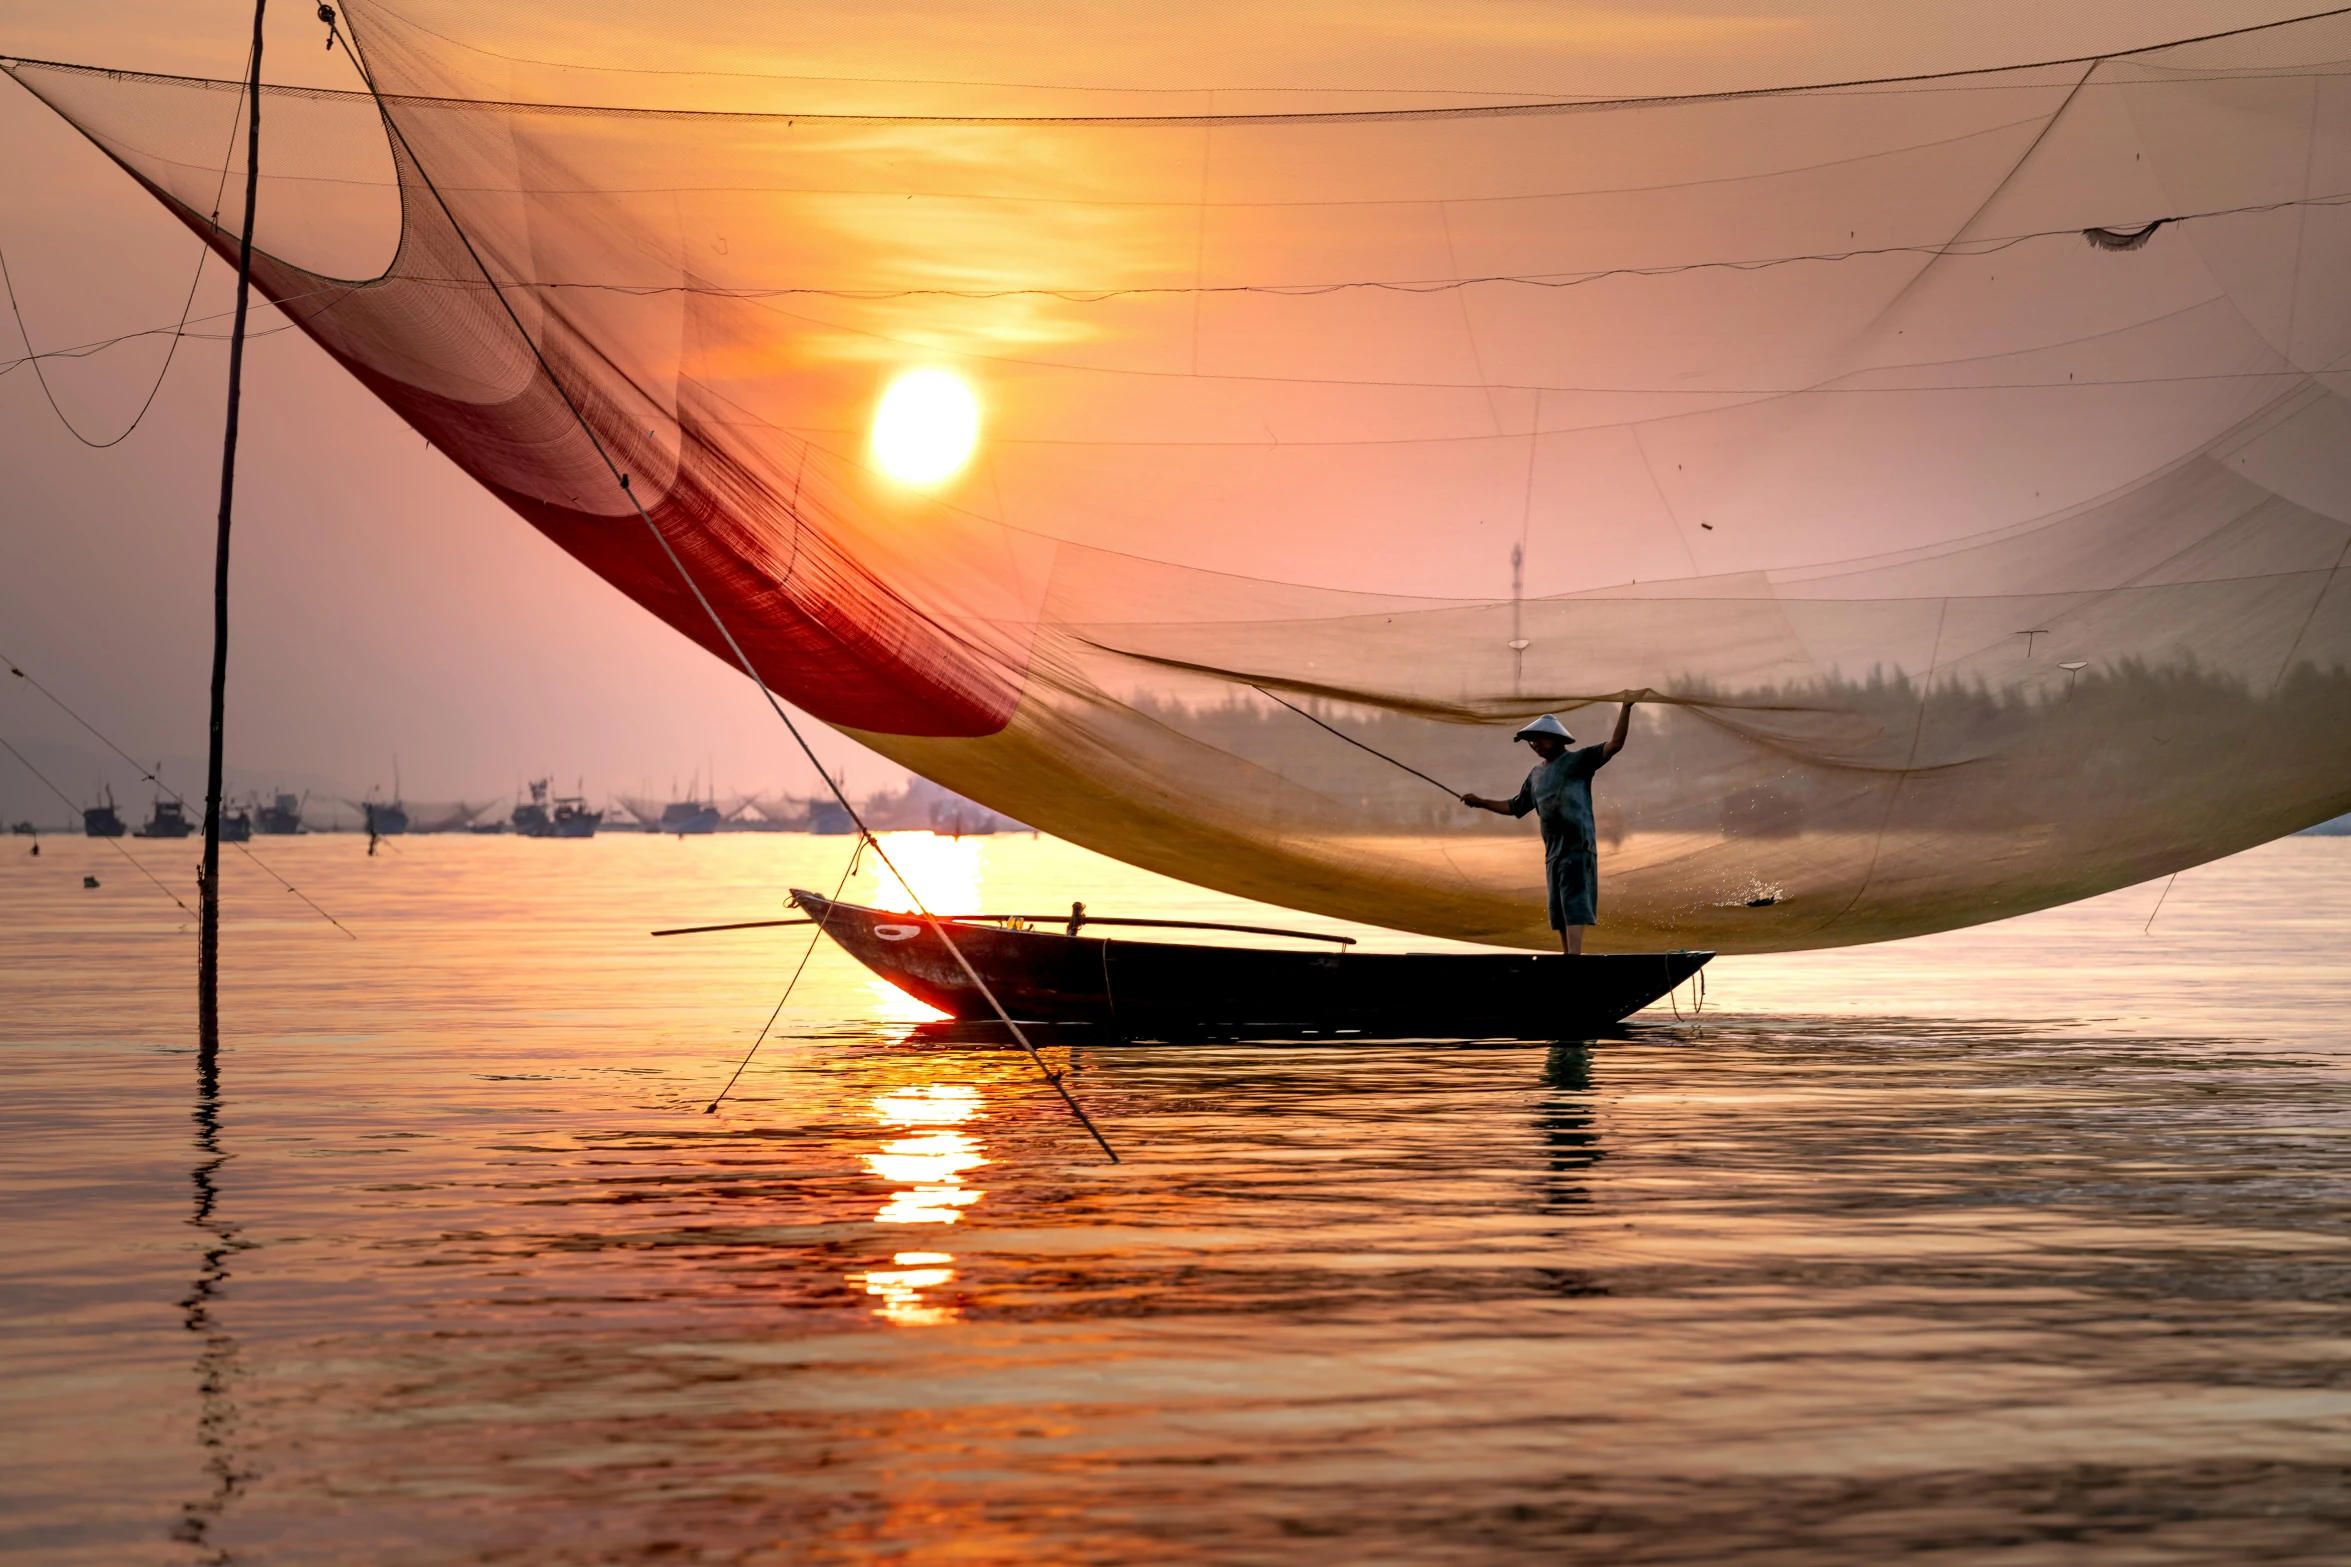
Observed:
{"x":1697,"y":994}
{"x":855,"y":856}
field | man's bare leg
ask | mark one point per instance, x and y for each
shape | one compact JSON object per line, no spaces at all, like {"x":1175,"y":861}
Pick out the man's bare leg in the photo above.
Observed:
{"x":1571,"y":941}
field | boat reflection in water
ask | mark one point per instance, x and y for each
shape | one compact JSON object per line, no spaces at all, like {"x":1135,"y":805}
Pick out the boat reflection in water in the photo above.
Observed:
{"x":928,"y":1166}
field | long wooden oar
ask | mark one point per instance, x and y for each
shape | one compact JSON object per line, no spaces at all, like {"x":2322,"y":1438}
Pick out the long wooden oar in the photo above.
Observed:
{"x":1076,"y":920}
{"x":1042,"y":919}
{"x":696,"y":930}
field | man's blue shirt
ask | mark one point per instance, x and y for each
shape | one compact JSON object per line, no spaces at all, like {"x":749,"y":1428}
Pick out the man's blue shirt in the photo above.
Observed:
{"x":1559,"y":792}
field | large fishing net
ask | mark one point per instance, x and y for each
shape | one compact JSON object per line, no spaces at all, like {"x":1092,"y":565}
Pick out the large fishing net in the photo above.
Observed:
{"x":1963,"y":461}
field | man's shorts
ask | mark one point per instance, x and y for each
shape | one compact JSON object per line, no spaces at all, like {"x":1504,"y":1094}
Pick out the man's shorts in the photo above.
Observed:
{"x":1575,"y":889}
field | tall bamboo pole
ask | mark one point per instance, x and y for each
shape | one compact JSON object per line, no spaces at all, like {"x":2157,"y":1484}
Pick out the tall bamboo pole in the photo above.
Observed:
{"x":208,"y":906}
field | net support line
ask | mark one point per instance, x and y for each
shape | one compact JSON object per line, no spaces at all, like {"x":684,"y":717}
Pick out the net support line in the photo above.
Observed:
{"x":149,"y":775}
{"x":115,"y":844}
{"x":621,"y":479}
{"x":203,"y":255}
{"x":1351,"y":740}
{"x":815,"y":939}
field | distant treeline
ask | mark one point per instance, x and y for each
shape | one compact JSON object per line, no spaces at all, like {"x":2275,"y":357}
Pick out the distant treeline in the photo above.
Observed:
{"x":1820,"y":754}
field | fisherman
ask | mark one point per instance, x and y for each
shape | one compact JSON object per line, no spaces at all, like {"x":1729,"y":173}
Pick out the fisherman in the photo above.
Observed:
{"x":1559,"y":792}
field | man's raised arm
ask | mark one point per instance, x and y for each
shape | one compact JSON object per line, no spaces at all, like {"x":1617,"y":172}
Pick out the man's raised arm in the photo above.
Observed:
{"x":1624,"y":724}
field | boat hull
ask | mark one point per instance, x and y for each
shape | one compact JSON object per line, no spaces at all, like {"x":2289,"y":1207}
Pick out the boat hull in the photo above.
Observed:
{"x":1167,"y":990}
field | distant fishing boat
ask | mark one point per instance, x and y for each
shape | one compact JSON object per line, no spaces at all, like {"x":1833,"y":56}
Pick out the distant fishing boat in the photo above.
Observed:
{"x":953,"y":816}
{"x":386,"y":818}
{"x":101,"y":821}
{"x":235,"y":826}
{"x":562,"y":816}
{"x":1164,"y":990}
{"x":282,"y":817}
{"x":168,"y":819}
{"x":923,"y":804}
{"x":688,"y":816}
{"x":960,"y":819}
{"x":532,"y":819}
{"x":25,"y":830}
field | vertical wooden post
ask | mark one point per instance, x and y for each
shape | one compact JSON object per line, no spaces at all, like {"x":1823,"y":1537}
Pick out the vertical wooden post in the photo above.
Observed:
{"x":208,"y":895}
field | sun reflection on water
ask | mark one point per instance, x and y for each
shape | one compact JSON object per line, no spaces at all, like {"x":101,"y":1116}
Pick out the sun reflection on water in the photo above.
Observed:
{"x":928,"y":1167}
{"x":892,"y":1005}
{"x":901,"y":1288}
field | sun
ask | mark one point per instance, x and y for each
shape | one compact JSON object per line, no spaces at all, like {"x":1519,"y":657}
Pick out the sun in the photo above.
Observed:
{"x":925,"y":427}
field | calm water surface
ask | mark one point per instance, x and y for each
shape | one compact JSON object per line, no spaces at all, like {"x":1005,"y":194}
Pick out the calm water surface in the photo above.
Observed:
{"x":2030,"y":1243}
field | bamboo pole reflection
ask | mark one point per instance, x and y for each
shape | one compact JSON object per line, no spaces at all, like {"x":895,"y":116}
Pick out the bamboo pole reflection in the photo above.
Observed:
{"x":928,"y":1166}
{"x":217,"y":1359}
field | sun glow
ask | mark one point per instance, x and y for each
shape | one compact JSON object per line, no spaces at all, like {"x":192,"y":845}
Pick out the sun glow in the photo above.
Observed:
{"x":925,"y":427}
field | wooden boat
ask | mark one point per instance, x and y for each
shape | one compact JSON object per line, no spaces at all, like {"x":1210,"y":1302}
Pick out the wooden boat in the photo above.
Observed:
{"x":1171,"y":990}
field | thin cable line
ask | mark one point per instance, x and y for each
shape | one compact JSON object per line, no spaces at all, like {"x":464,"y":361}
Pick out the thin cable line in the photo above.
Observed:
{"x":1561,"y":280}
{"x":1137,"y":203}
{"x":1894,"y":302}
{"x":1351,"y":740}
{"x":1990,"y":245}
{"x":203,"y":255}
{"x":1051,"y":1076}
{"x":806,"y":953}
{"x":85,"y":350}
{"x":113,"y":843}
{"x":342,"y":291}
{"x":1920,"y":81}
{"x":1964,"y":249}
{"x":150,"y":776}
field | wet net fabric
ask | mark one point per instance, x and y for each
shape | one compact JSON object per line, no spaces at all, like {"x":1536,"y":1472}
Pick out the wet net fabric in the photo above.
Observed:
{"x":1982,"y":546}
